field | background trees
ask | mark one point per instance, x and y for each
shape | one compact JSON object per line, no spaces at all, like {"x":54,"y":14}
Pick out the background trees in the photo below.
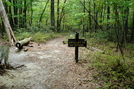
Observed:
{"x":111,"y":18}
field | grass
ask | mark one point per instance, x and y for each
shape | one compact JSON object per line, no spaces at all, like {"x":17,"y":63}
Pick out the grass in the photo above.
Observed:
{"x":39,"y":36}
{"x":116,"y":71}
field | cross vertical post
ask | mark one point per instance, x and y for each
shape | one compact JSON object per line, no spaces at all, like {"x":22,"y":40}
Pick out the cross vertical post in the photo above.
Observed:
{"x":76,"y":48}
{"x":77,"y":43}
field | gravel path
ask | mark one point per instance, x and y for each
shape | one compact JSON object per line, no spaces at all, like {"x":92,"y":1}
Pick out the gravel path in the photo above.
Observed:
{"x":46,"y":66}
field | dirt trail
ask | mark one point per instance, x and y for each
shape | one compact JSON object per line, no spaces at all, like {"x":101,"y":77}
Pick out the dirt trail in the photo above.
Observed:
{"x":46,"y":66}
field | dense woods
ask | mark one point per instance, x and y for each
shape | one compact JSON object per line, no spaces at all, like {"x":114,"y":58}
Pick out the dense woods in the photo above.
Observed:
{"x":112,"y":18}
{"x":106,"y":20}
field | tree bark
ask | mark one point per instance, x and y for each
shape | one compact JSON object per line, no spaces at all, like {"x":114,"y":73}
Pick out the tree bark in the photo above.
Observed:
{"x":89,"y":17}
{"x":61,"y":15}
{"x":58,"y":15}
{"x":15,"y":13}
{"x":40,"y":20}
{"x":21,"y":43}
{"x":52,"y":16}
{"x":95,"y":20}
{"x":83,"y":22}
{"x":8,"y":28}
{"x":31,"y":17}
{"x":132,"y":29}
{"x":20,"y":15}
{"x":108,"y":17}
{"x":4,"y":51}
{"x":25,"y":13}
{"x":10,"y":16}
{"x":125,"y":25}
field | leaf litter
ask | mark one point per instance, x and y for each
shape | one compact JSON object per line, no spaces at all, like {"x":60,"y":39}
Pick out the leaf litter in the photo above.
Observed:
{"x":46,"y":66}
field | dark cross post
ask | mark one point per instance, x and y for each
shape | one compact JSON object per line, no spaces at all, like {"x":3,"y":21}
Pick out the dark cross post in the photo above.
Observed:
{"x":76,"y":48}
{"x":77,"y":43}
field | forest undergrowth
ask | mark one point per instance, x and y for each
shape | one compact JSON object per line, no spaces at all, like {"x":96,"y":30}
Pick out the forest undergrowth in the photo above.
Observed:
{"x":41,"y":37}
{"x":114,"y":68}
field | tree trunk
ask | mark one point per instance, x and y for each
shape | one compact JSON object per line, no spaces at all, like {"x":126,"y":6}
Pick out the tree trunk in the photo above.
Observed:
{"x":52,"y":16}
{"x":20,"y":14}
{"x":83,"y":22}
{"x":108,"y":17}
{"x":118,"y":47}
{"x":8,"y":28}
{"x":25,"y":13}
{"x":1,"y":29}
{"x":31,"y":17}
{"x":95,"y":16}
{"x":4,"y":51}
{"x":62,"y":14}
{"x":89,"y":18}
{"x":132,"y":29}
{"x":125,"y":25}
{"x":40,"y":20}
{"x":15,"y":13}
{"x":10,"y":16}
{"x":58,"y":16}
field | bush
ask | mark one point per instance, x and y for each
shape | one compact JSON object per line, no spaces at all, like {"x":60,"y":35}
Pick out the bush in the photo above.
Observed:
{"x":114,"y":70}
{"x":43,"y":37}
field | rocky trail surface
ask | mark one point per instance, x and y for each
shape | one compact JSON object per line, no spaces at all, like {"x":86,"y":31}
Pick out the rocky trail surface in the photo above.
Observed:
{"x":46,"y":66}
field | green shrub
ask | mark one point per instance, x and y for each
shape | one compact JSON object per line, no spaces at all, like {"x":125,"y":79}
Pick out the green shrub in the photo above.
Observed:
{"x":36,"y":37}
{"x":113,"y":70}
{"x":43,"y":37}
{"x":23,"y":35}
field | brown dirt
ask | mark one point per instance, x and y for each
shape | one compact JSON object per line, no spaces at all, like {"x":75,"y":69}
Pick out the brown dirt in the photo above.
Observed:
{"x":46,"y":66}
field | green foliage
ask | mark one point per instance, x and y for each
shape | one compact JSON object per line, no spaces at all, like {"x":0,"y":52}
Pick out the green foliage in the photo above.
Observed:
{"x":8,"y":3}
{"x":111,"y":68}
{"x":43,"y":37}
{"x":103,"y":36}
{"x":36,"y":36}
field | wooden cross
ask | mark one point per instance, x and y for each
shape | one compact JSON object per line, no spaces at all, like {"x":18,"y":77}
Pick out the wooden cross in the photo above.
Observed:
{"x":77,"y":43}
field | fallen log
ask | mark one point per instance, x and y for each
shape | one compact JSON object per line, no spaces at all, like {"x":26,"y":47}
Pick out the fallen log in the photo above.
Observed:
{"x":4,"y":51}
{"x":23,"y":42}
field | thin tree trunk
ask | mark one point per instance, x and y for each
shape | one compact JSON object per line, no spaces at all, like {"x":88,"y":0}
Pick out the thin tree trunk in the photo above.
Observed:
{"x":15,"y":13}
{"x":10,"y":15}
{"x":118,"y":47}
{"x":95,"y":20}
{"x":20,"y":15}
{"x":89,"y":18}
{"x":58,"y":15}
{"x":46,"y":21}
{"x":95,"y":16}
{"x":125,"y":25}
{"x":25,"y":13}
{"x":52,"y":16}
{"x":132,"y":29}
{"x":83,"y":22}
{"x":1,"y":29}
{"x":6,"y":7}
{"x":8,"y":28}
{"x":40,"y":20}
{"x":31,"y":17}
{"x":62,"y":14}
{"x":108,"y":17}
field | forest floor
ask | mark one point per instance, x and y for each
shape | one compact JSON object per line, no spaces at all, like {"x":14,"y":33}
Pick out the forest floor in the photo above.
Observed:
{"x":47,"y":66}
